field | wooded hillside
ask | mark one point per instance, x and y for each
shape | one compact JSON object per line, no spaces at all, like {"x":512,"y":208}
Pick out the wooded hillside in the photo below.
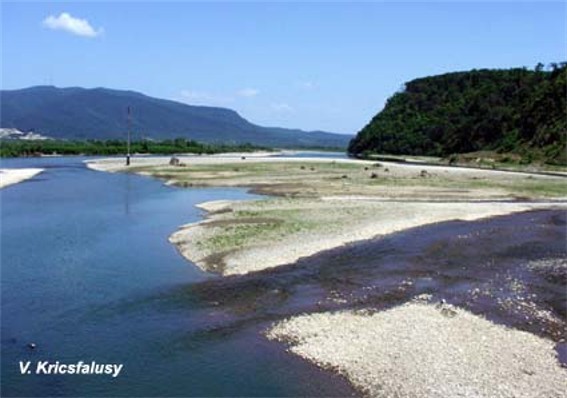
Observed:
{"x":516,"y":110}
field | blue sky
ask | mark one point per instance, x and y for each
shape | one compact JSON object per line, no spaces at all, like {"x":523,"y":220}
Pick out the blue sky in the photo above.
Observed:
{"x":324,"y":66}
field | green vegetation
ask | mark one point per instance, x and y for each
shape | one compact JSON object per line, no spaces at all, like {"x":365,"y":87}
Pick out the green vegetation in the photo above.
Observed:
{"x":235,"y":235}
{"x":114,"y":147}
{"x":515,"y":111}
{"x":252,"y":224}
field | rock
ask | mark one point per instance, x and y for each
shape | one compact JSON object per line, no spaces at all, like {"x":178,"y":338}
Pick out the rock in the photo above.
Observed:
{"x":448,"y":312}
{"x":174,"y":161}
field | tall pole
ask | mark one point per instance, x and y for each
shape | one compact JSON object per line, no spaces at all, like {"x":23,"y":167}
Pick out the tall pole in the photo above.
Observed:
{"x":128,"y":142}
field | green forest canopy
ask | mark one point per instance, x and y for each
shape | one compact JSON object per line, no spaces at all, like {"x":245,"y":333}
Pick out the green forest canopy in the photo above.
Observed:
{"x":509,"y":111}
{"x":14,"y":148}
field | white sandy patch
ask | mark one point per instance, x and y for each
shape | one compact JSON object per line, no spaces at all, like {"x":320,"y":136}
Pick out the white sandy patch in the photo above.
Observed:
{"x":118,"y":163}
{"x":220,"y":205}
{"x":420,"y":350}
{"x":13,"y":176}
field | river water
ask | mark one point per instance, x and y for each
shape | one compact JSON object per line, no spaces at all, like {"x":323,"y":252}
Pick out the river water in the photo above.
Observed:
{"x":87,"y":274}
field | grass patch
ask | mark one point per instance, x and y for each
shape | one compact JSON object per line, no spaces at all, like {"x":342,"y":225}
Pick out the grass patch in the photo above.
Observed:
{"x":271,"y":220}
{"x":237,"y":236}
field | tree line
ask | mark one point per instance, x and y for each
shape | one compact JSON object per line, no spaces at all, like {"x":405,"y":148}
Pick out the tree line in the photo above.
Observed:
{"x":16,"y":148}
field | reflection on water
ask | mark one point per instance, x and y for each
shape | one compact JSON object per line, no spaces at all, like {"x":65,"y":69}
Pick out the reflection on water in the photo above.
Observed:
{"x":127,"y":194}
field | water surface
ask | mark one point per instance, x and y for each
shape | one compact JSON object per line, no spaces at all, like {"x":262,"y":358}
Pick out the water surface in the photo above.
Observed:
{"x":87,"y":274}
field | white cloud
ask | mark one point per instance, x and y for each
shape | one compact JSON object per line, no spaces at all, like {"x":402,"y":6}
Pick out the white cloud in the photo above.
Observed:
{"x":204,"y":98}
{"x":281,"y":107}
{"x":70,"y":24}
{"x":248,"y":92}
{"x":307,"y":85}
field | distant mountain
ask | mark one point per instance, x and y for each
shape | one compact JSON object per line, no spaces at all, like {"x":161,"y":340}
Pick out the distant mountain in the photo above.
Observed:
{"x":508,"y":111}
{"x":100,"y":113}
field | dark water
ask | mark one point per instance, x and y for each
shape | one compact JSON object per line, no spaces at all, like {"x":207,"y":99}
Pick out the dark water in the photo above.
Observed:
{"x":87,"y":274}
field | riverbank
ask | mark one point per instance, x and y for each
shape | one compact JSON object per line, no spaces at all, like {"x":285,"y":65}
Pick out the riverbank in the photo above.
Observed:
{"x":241,"y":237}
{"x":14,"y":176}
{"x":319,"y":177}
{"x":325,"y":203}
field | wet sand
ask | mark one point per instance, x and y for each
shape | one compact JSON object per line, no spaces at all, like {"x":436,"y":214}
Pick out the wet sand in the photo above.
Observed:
{"x":14,"y":176}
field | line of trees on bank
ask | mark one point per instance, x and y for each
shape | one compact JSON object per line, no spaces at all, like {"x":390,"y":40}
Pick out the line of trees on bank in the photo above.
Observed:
{"x":17,"y":148}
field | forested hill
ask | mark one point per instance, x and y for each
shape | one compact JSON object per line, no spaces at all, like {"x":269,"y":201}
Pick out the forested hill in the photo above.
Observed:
{"x":515,"y":110}
{"x":100,"y":114}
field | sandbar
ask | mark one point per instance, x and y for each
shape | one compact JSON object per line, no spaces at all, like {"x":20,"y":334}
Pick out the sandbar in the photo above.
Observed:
{"x":426,"y":350}
{"x":14,"y":176}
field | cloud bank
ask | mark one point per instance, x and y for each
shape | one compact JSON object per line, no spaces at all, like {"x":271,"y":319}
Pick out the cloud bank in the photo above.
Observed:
{"x":248,"y":92}
{"x":70,"y":24}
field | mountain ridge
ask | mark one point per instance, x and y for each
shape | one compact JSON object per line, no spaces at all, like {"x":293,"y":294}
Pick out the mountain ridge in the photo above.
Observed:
{"x":100,"y":113}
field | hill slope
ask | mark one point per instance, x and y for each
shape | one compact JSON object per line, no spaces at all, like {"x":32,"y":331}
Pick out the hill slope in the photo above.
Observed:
{"x":515,"y":110}
{"x":78,"y":113}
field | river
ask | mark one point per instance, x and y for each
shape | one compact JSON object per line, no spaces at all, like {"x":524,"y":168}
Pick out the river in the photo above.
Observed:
{"x":87,"y":275}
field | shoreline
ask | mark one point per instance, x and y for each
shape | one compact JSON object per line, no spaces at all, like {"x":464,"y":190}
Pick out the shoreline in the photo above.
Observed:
{"x":13,"y":176}
{"x":277,"y":253}
{"x":115,"y":164}
{"x":236,"y":238}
